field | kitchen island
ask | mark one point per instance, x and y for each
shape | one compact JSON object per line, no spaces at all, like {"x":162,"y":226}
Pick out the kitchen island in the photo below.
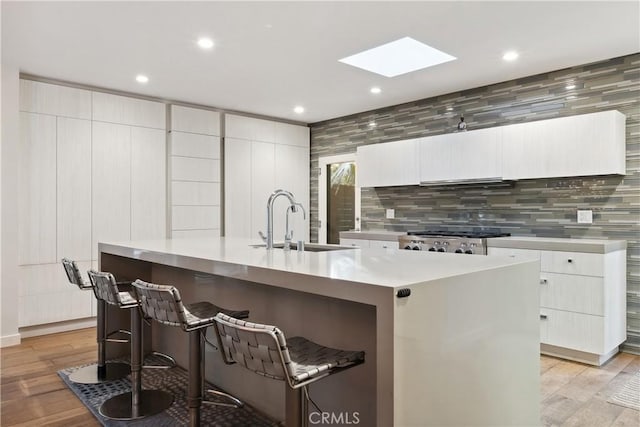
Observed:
{"x":461,"y":349}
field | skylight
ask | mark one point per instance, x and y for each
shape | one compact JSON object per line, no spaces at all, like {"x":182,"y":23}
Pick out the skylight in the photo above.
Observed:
{"x":398,"y":57}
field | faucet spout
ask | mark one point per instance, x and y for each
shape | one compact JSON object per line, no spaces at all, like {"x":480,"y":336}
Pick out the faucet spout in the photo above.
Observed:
{"x":270,"y":202}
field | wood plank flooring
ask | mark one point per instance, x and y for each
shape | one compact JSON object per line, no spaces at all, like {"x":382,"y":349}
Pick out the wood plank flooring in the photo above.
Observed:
{"x":32,"y":394}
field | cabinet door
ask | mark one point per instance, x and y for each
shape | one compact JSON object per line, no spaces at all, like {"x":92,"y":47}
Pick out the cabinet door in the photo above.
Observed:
{"x":148,"y":184}
{"x":37,"y":222}
{"x":74,"y":188}
{"x":388,"y":164}
{"x":581,"y":145}
{"x":461,"y":156}
{"x":262,"y":185}
{"x":292,"y":174}
{"x":359,"y":243}
{"x":195,"y":120}
{"x":111,"y":183}
{"x":237,"y":192}
{"x":56,"y":100}
{"x":128,"y":111}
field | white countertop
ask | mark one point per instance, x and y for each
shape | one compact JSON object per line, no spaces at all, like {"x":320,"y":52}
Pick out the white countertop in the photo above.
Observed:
{"x":234,"y":257}
{"x":601,"y":246}
{"x":391,"y":236}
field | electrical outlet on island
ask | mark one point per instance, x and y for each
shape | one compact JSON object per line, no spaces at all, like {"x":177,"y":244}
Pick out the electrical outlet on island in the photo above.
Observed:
{"x":391,"y":213}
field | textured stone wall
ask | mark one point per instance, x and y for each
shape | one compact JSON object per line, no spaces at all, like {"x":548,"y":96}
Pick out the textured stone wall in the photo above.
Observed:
{"x":542,"y":207}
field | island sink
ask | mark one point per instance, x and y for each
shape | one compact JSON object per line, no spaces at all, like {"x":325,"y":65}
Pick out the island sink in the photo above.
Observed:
{"x":308,"y":247}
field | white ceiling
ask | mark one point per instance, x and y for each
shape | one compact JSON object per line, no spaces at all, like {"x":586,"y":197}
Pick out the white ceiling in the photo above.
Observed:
{"x":271,"y":56}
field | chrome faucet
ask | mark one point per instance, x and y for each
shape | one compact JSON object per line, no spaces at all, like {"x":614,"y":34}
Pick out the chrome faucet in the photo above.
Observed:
{"x":293,"y":206}
{"x":288,"y":235}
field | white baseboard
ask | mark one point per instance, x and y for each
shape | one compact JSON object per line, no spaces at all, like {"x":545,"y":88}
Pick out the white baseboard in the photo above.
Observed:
{"x":54,"y":328}
{"x":9,"y":340}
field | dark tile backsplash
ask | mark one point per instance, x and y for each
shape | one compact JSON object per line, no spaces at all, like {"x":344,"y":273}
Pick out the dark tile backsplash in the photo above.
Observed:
{"x":543,"y":207}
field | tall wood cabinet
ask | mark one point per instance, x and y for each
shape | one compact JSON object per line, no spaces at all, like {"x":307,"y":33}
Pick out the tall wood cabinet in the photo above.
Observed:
{"x":195,"y":172}
{"x":260,"y":157}
{"x":93,"y":167}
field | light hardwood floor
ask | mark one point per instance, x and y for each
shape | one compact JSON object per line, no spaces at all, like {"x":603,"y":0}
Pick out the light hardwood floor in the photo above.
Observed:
{"x":32,"y":394}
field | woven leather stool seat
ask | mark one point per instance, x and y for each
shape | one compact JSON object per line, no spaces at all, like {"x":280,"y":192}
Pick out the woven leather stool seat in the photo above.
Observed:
{"x":163,"y":303}
{"x":264,"y":350}
{"x":102,"y":371}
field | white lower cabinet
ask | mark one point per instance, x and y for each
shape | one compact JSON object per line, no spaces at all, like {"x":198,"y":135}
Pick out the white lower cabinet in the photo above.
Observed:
{"x":368,"y":243}
{"x":582,"y":302}
{"x":359,"y":243}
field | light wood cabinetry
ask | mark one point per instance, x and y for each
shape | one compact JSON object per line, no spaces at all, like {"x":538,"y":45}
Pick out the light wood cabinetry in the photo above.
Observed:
{"x":37,"y":222}
{"x":260,"y":157}
{"x":195,"y":172}
{"x":93,"y":167}
{"x":581,"y":145}
{"x":388,"y":164}
{"x":461,"y":156}
{"x":73,"y":189}
{"x":582,"y":302}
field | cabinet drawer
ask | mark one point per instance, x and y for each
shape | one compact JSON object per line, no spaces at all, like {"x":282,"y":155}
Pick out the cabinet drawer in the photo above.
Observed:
{"x":384,"y":244}
{"x":577,"y":331}
{"x":514,"y":253}
{"x":360,"y":243}
{"x":573,"y":293}
{"x":584,"y":264}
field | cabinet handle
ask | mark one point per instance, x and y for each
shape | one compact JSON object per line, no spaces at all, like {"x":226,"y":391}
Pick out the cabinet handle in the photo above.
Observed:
{"x":384,"y":246}
{"x":569,"y":260}
{"x":543,"y":317}
{"x":543,"y":281}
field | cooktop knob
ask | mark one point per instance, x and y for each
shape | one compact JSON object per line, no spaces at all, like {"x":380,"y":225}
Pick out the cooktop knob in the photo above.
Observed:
{"x":458,"y":251}
{"x":441,"y":250}
{"x":416,"y":248}
{"x":407,"y":247}
{"x":432,"y":249}
{"x":468,"y":251}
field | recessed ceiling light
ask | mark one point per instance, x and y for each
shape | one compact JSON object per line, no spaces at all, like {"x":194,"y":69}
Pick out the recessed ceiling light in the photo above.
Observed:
{"x":141,"y":78}
{"x":398,"y":57}
{"x":570,"y":86}
{"x":298,"y":109}
{"x":510,"y":56}
{"x":376,"y":90}
{"x":205,"y":43}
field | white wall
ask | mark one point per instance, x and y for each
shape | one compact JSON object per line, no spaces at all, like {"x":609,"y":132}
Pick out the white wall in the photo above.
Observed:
{"x":9,"y":160}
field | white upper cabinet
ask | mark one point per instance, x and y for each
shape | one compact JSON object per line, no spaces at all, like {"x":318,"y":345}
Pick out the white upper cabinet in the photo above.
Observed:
{"x":193,"y":120}
{"x":249,"y":128}
{"x":581,"y":145}
{"x":45,"y":98}
{"x":292,"y":135}
{"x":388,"y":164}
{"x":195,"y":145}
{"x":128,"y":111}
{"x":237,"y":191}
{"x":462,"y":156}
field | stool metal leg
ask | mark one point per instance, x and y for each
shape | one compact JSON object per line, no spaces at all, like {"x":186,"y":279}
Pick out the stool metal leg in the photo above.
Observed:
{"x":103,"y":371}
{"x":234,"y":401}
{"x":138,"y":403}
{"x":294,"y":417}
{"x":196,"y":375}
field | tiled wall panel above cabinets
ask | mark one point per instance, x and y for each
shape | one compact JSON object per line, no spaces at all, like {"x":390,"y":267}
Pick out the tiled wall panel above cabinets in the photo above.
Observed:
{"x":195,"y":172}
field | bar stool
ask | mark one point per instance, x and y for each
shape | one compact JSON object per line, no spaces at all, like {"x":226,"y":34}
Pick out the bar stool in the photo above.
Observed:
{"x":164,"y":304}
{"x":137,"y":403}
{"x":104,"y":371}
{"x":264,"y":350}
